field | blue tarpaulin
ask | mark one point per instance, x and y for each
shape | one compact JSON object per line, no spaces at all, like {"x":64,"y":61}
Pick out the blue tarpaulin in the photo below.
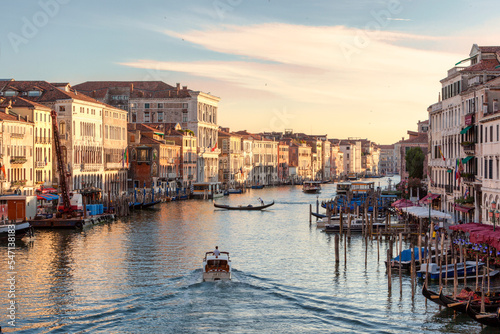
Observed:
{"x":406,"y":255}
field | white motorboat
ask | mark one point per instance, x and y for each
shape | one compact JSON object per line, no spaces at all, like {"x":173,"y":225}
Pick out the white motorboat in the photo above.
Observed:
{"x":356,"y":225}
{"x":216,"y":267}
{"x":311,"y":187}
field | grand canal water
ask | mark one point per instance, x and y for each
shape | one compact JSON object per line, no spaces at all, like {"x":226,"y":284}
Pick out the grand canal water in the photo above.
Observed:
{"x":143,"y":275}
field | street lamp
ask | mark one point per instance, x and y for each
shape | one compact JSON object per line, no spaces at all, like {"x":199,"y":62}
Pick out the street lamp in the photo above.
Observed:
{"x":494,"y":213}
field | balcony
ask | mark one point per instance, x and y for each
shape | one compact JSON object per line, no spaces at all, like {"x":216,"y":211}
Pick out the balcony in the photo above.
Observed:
{"x":468,"y":177}
{"x":40,"y":164}
{"x":18,"y":160}
{"x":469,"y":147}
{"x":448,"y":189}
{"x":17,"y":135}
{"x":90,"y":167}
{"x":19,"y":183}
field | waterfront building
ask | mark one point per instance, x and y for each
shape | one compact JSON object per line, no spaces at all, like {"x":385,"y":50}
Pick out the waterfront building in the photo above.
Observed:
{"x":351,"y":149}
{"x":39,"y":115}
{"x":231,"y":158}
{"x":387,"y":162}
{"x":155,"y":162}
{"x":157,"y":102}
{"x":16,"y":140}
{"x":283,"y":162}
{"x":264,"y":156}
{"x":115,"y":149}
{"x":327,"y":159}
{"x":187,"y":142}
{"x":337,"y":166}
{"x":80,"y":123}
{"x":459,"y":126}
{"x":370,"y":156}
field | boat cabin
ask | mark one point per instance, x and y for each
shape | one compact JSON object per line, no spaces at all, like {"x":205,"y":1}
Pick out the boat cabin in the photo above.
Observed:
{"x":311,"y":186}
{"x":207,"y":190}
{"x":362,"y":188}
{"x":216,"y":268}
{"x":343,"y":188}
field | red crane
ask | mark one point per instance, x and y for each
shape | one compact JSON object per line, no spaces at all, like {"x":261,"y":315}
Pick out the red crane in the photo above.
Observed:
{"x":60,"y":166}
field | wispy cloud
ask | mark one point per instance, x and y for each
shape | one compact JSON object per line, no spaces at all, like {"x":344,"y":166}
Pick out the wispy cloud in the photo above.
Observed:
{"x":327,"y":68}
{"x":397,"y":19}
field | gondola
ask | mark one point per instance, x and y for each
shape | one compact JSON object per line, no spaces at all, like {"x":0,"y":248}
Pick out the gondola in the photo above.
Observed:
{"x":488,"y":319}
{"x":247,"y":208}
{"x":459,"y":304}
{"x":431,"y":295}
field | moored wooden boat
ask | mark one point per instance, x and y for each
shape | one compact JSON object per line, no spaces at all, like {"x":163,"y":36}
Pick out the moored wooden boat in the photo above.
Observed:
{"x":431,"y":295}
{"x":241,"y":207}
{"x":488,"y":319}
{"x":466,"y":296}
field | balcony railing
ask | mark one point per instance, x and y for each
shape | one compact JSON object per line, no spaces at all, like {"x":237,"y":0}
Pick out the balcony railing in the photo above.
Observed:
{"x":40,"y":164}
{"x":18,"y":160}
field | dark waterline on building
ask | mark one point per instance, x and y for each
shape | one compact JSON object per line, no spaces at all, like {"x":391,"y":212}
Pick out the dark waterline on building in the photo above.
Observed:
{"x":143,"y":275}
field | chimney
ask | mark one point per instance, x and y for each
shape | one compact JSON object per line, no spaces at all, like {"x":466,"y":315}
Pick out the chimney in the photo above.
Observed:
{"x":178,"y":86}
{"x":131,"y":87}
{"x":184,"y":87}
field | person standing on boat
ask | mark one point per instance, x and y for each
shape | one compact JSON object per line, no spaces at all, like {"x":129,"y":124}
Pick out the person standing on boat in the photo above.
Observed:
{"x":216,"y":251}
{"x":261,"y":201}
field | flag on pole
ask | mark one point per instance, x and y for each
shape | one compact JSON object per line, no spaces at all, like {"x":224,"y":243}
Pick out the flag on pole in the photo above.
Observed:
{"x":213,"y":148}
{"x":466,"y":192}
{"x":3,"y":170}
{"x":441,"y":152}
{"x":457,"y":171}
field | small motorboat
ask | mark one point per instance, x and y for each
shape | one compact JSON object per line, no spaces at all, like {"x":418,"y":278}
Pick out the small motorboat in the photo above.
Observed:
{"x":433,"y":270}
{"x":311,"y":187}
{"x":244,"y":207}
{"x":356,"y":225}
{"x":406,"y":258}
{"x":15,"y":229}
{"x":216,"y":267}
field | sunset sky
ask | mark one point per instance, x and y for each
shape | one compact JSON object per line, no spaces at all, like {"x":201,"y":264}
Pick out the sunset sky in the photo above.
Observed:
{"x":355,"y":68}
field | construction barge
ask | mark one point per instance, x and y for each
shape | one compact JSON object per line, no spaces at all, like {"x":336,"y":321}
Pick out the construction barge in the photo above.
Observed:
{"x":72,"y":222}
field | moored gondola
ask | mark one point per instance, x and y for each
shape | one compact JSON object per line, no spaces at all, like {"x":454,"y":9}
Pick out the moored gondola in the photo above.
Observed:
{"x":431,"y":295}
{"x":488,"y":318}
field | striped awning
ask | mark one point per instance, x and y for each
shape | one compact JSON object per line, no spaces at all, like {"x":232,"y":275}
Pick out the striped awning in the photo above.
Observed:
{"x":47,"y":197}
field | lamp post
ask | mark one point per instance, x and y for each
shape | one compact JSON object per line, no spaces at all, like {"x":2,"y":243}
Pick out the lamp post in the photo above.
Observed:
{"x":494,"y":213}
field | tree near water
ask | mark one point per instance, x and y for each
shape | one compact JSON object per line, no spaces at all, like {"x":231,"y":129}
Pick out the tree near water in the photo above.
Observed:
{"x":415,"y":162}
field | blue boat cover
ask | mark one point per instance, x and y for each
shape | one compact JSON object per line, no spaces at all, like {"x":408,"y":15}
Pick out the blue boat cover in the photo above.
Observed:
{"x":406,"y":255}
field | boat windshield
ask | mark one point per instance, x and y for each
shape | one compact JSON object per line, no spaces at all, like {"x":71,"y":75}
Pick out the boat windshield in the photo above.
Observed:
{"x":217,"y":265}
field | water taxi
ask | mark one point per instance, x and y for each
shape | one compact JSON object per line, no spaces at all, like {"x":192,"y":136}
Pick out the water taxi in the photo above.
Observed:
{"x":207,"y":190}
{"x":216,"y":267}
{"x":311,"y":187}
{"x":343,"y":188}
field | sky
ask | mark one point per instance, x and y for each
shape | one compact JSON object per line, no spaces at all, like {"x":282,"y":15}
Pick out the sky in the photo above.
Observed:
{"x":357,"y":68}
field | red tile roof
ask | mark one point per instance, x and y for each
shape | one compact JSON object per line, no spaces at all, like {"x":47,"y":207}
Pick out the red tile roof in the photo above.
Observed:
{"x":50,"y":93}
{"x":484,"y":65}
{"x":17,"y":101}
{"x":489,"y":49}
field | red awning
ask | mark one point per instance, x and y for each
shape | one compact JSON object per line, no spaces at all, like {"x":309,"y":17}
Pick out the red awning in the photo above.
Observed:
{"x":462,"y":208}
{"x":480,"y":233}
{"x":49,"y":190}
{"x":428,"y":197}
